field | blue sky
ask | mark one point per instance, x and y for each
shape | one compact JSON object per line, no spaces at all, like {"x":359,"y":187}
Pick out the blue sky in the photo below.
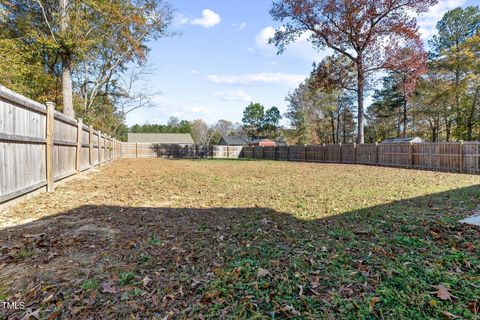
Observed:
{"x":220,"y":61}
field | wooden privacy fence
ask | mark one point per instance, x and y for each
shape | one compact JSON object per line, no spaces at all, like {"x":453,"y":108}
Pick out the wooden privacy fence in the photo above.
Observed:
{"x":154,"y":150}
{"x":447,"y":156}
{"x":39,"y":146}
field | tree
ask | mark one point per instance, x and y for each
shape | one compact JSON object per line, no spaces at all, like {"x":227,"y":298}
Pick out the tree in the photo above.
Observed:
{"x":366,"y":32}
{"x":320,"y":110}
{"x":86,"y":42}
{"x":301,"y":113}
{"x":387,"y":113}
{"x":224,"y":127}
{"x":451,"y":59}
{"x":253,"y":118}
{"x":271,"y":121}
{"x":201,"y":133}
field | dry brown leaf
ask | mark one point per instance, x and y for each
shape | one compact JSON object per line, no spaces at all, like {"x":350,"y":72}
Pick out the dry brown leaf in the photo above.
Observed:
{"x":108,"y":288}
{"x":29,"y":313}
{"x":450,"y":315}
{"x":262,"y":273}
{"x":442,"y":292}
{"x":146,"y":281}
{"x":373,"y":302}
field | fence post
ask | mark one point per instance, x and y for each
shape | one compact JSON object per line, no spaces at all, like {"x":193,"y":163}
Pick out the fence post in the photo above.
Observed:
{"x":136,"y":150}
{"x":410,"y":151}
{"x":49,"y":145}
{"x":324,"y":153}
{"x":90,"y":145}
{"x":305,"y":153}
{"x":99,"y":138}
{"x":462,"y":157}
{"x":341,"y":158}
{"x":79,"y":144}
{"x":354,"y":152}
{"x":228,"y":152}
{"x":376,"y":153}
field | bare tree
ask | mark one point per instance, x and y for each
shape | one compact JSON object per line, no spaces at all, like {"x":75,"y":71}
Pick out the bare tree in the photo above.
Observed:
{"x":132,"y":94}
{"x":202,"y":134}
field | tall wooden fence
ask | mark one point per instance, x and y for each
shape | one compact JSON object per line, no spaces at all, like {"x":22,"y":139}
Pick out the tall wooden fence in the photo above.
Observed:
{"x":39,"y":146}
{"x":451,"y":156}
{"x":154,"y":150}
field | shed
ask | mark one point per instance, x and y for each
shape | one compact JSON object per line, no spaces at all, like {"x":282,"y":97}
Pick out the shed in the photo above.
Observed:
{"x":403,"y":140}
{"x":161,"y":138}
{"x":237,"y":140}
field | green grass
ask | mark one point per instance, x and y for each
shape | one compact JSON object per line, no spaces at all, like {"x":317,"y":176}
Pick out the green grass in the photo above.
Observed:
{"x":192,"y":239}
{"x":90,"y":284}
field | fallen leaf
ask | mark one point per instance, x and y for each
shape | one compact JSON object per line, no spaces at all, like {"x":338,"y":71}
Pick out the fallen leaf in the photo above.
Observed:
{"x":146,"y":281}
{"x":54,"y":315}
{"x":373,"y":302}
{"x":450,"y":315}
{"x":210,"y":295}
{"x":108,"y":288}
{"x":290,"y":309}
{"x":442,"y":292}
{"x":262,"y":273}
{"x":29,"y":313}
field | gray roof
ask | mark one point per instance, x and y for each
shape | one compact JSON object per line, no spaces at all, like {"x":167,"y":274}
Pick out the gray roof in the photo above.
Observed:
{"x":238,"y":140}
{"x":403,"y":140}
{"x":166,"y":138}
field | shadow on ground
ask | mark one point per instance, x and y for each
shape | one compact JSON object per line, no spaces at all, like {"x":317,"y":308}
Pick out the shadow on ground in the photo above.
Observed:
{"x":387,"y":261}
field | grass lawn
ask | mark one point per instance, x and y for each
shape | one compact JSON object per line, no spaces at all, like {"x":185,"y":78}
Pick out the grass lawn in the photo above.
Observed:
{"x":210,"y":239}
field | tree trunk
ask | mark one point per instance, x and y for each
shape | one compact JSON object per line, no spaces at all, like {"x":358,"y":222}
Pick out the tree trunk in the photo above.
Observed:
{"x":360,"y":88}
{"x":404,"y":118}
{"x":448,"y":129}
{"x":338,"y":126}
{"x":67,"y":90}
{"x":332,"y":123}
{"x":471,"y":116}
{"x":67,"y":87}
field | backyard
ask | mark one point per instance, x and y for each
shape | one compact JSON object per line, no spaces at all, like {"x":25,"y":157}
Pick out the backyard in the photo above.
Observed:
{"x":233,"y":239}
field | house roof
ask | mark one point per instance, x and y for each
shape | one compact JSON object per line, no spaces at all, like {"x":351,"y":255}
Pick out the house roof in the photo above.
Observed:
{"x":166,"y":138}
{"x":236,"y":140}
{"x":260,"y":140}
{"x":402,"y":140}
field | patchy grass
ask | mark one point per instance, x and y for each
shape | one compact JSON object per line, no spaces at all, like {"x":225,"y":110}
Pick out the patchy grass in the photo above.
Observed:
{"x":246,"y":240}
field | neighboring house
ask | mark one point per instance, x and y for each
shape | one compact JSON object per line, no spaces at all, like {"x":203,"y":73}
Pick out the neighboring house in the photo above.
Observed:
{"x":262,"y":142}
{"x":161,"y":138}
{"x":403,"y":140}
{"x":240,"y":140}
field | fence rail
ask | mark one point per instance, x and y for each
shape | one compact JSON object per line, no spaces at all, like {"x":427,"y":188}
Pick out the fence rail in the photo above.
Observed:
{"x":447,"y":156}
{"x":39,"y":146}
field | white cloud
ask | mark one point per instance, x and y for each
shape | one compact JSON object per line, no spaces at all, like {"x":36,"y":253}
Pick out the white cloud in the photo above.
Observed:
{"x":240,"y":27}
{"x":209,"y":19}
{"x":233,"y":95}
{"x":300,"y":49}
{"x":427,"y":21}
{"x":181,"y":19}
{"x":264,"y":78}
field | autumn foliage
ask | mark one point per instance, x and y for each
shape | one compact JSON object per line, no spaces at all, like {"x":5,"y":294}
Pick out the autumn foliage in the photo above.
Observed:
{"x":370,"y":33}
